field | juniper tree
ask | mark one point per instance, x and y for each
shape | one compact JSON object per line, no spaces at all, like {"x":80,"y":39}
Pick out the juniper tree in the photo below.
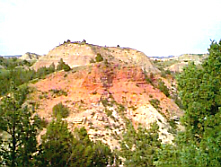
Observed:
{"x":19,"y":128}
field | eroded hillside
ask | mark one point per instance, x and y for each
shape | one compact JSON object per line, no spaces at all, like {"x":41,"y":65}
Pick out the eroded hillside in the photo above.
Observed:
{"x":103,"y":97}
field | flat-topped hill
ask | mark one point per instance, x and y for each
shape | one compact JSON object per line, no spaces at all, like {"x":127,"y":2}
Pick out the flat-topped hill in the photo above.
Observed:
{"x":80,"y":53}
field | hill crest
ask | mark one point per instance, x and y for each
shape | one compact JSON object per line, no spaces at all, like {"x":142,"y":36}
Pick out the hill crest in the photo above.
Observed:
{"x":80,"y":54}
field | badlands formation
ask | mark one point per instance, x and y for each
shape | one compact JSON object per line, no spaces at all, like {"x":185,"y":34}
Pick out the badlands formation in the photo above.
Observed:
{"x":104,"y":96}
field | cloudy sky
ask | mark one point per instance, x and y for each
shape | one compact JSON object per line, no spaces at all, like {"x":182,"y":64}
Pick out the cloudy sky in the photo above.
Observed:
{"x":156,"y":27}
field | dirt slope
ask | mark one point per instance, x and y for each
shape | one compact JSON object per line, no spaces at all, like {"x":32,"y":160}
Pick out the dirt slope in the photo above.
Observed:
{"x":103,"y":97}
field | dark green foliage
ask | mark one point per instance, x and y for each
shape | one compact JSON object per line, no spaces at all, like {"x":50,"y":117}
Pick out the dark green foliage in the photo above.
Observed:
{"x":60,"y":64}
{"x":107,"y":102}
{"x":61,"y":148}
{"x":164,"y":73}
{"x":200,"y":91}
{"x":148,"y":78}
{"x":56,"y":147}
{"x":20,"y":127}
{"x":140,"y":147}
{"x":163,"y":88}
{"x":99,"y":58}
{"x":108,"y":112}
{"x":60,"y":110}
{"x":120,"y":108}
{"x":199,"y":145}
{"x":63,"y":66}
{"x":58,"y":92}
{"x":155,"y":103}
{"x":18,"y":75}
{"x":178,"y":101}
{"x":66,"y":67}
{"x":51,"y":68}
{"x":91,"y":154}
{"x":11,"y":63}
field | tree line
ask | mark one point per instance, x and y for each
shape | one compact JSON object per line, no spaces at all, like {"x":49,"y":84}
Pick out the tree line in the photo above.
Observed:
{"x":19,"y":72}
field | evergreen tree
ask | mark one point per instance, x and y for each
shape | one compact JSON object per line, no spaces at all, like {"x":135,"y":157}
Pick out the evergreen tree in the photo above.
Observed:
{"x":140,"y":147}
{"x":60,"y":111}
{"x":63,"y":66}
{"x":20,"y":129}
{"x":51,"y":68}
{"x":61,"y":148}
{"x":56,"y":146}
{"x":200,"y":91}
{"x":99,"y":58}
{"x":199,"y":145}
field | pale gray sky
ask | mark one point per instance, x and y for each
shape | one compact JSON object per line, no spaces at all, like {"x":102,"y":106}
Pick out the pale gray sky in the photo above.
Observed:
{"x":155,"y":27}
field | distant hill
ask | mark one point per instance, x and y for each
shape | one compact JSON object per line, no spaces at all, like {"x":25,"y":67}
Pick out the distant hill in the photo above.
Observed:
{"x":177,"y":63}
{"x":30,"y":56}
{"x":81,"y":53}
{"x":11,"y":56}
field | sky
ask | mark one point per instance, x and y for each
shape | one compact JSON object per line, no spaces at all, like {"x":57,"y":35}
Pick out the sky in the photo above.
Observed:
{"x":155,"y":27}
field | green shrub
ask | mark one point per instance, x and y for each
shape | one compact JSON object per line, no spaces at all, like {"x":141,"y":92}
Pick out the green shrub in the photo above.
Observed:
{"x":60,"y":110}
{"x":163,"y":88}
{"x":155,"y":103}
{"x":58,"y":92}
{"x":108,"y":112}
{"x":66,"y":67}
{"x":120,"y":108}
{"x":63,"y":66}
{"x":163,"y":74}
{"x":99,"y":58}
{"x":148,"y":78}
{"x":105,"y":102}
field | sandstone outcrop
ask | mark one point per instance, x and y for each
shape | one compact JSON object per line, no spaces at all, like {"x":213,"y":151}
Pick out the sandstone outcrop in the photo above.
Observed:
{"x":79,"y":54}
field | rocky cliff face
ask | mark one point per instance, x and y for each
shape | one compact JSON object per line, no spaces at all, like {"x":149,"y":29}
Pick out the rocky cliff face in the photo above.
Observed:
{"x":104,"y":96}
{"x":78,"y":54}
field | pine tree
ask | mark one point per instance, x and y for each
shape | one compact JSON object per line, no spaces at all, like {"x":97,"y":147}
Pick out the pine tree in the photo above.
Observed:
{"x":56,"y":146}
{"x":140,"y":147}
{"x":20,"y":129}
{"x":61,"y":148}
{"x":63,"y":66}
{"x":199,"y":145}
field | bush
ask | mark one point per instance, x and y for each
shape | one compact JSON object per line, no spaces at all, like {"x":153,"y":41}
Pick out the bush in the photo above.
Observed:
{"x":60,"y":110}
{"x":108,"y":112}
{"x":155,"y":103}
{"x":58,"y":92}
{"x":66,"y":67}
{"x":63,"y":66}
{"x":163,"y":88}
{"x":99,"y":58}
